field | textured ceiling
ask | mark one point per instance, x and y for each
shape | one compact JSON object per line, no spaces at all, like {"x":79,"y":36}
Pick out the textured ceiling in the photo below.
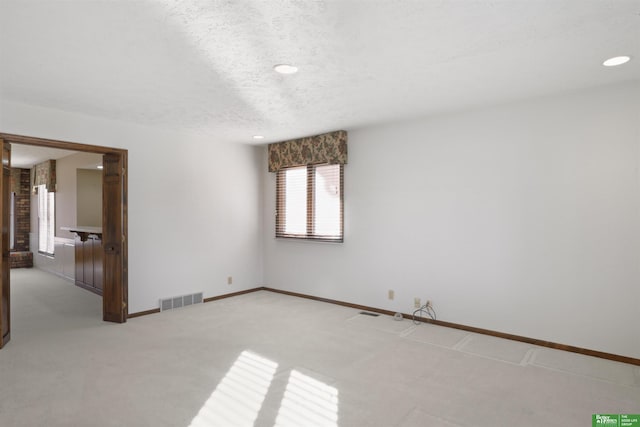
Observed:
{"x":206,"y":66}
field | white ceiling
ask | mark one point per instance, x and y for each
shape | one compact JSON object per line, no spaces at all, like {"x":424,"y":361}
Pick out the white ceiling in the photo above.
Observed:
{"x":25,"y":156}
{"x":206,"y":66}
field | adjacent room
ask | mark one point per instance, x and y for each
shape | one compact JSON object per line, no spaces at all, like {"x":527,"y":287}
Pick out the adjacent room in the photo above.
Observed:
{"x":55,"y":226}
{"x":321,"y":213}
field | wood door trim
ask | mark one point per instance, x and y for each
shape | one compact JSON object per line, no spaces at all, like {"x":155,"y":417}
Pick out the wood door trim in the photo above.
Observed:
{"x":97,"y":149}
{"x":63,"y":145}
{"x":114,"y":300}
{"x":5,"y":288}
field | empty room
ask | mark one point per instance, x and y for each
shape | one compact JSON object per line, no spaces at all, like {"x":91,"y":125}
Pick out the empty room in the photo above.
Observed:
{"x":320,"y":213}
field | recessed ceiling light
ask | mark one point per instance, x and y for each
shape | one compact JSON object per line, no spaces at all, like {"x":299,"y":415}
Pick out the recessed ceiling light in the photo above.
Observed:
{"x":285,"y":69}
{"x":258,"y":137}
{"x":618,"y":60}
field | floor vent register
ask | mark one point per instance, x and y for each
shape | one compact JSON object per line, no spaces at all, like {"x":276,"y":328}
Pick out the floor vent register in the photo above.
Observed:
{"x":182,"y":301}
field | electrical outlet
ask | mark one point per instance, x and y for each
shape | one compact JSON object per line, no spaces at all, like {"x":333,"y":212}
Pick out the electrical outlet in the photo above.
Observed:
{"x":416,"y":302}
{"x":391,"y":294}
{"x":230,"y":280}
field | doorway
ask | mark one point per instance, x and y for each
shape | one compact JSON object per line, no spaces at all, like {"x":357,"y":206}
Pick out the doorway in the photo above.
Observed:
{"x":114,"y":227}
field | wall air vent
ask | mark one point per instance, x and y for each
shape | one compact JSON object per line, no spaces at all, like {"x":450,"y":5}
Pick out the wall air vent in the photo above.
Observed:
{"x":198,"y":298}
{"x":181,"y":301}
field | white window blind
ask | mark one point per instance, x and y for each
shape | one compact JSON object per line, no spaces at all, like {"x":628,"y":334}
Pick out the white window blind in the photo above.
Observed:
{"x":46,"y":220}
{"x":310,"y":202}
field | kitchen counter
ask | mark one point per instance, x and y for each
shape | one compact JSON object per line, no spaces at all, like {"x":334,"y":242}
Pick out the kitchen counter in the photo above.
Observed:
{"x":84,"y":231}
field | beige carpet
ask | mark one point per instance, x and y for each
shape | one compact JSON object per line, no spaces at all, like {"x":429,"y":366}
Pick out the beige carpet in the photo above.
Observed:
{"x":267,"y":359}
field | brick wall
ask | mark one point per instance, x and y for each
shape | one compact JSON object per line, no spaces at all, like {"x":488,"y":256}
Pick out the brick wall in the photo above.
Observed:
{"x":20,"y":256}
{"x":21,"y":259}
{"x":22,"y":209}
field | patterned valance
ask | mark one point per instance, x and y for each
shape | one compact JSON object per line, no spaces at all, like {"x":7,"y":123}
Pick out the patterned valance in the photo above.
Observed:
{"x":329,"y":148}
{"x":44,"y":173}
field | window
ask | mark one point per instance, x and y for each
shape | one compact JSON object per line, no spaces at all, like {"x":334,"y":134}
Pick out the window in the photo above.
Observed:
{"x":46,"y":220}
{"x":310,"y":203}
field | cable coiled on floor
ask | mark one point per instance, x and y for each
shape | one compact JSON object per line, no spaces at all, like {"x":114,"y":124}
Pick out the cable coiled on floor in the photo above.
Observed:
{"x":425,"y":309}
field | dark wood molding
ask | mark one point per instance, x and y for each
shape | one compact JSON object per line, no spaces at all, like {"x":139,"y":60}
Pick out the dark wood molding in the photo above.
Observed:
{"x":233,"y":294}
{"x":64,"y":145}
{"x":331,"y":301}
{"x":115,"y":208}
{"x":542,"y":343}
{"x":143,"y":313}
{"x":216,"y":298}
{"x":5,"y":257}
{"x":114,"y":288}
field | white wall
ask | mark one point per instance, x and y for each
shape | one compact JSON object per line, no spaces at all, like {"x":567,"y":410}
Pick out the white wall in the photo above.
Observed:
{"x":89,"y":197}
{"x":67,"y":190}
{"x":522,"y":218}
{"x":194,"y":203}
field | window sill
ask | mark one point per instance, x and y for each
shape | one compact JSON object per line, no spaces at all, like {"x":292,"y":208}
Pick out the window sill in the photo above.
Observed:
{"x":307,"y":239}
{"x":46,"y":255}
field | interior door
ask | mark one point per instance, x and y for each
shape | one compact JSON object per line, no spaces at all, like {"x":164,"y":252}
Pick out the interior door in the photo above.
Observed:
{"x":5,"y":186}
{"x":114,"y":296}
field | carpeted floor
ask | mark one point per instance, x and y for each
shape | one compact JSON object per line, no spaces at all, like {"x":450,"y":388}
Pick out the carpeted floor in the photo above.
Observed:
{"x":267,"y":359}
